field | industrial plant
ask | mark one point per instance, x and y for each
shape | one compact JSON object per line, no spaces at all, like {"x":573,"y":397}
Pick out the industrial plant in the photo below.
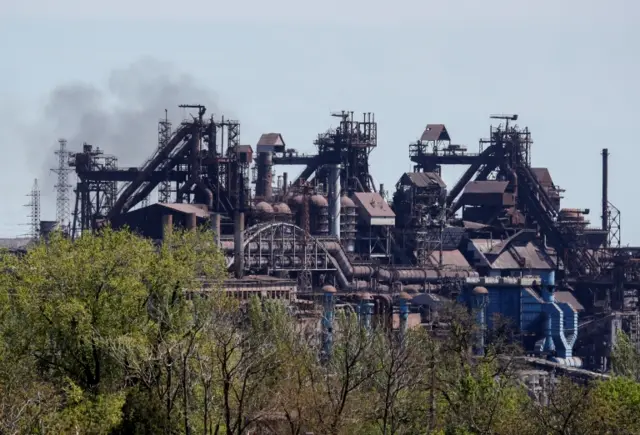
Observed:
{"x":498,"y":240}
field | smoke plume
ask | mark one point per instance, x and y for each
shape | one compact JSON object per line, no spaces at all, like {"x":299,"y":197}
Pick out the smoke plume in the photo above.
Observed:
{"x":119,"y":116}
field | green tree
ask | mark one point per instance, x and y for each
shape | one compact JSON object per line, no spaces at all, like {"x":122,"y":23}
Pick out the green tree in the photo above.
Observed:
{"x":71,"y":307}
{"x":625,"y":358}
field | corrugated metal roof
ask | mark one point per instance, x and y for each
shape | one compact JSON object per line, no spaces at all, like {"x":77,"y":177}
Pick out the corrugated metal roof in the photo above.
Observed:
{"x":373,"y":204}
{"x":476,"y":187}
{"x":271,"y":139}
{"x":244,"y":149}
{"x":199,"y":210}
{"x":534,"y":256}
{"x":435,"y":132}
{"x":453,"y":258}
{"x":434,"y":301}
{"x":543,"y":176}
{"x":568,"y":298}
{"x":422,"y":179}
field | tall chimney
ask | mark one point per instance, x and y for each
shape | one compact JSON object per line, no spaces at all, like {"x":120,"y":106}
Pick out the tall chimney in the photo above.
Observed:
{"x":334,"y":199}
{"x":265,"y":175}
{"x":285,"y":181}
{"x":238,"y":257}
{"x":605,"y":190}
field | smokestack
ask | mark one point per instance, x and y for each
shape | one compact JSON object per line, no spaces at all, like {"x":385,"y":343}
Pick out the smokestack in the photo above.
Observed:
{"x":285,"y":183}
{"x":334,"y":199}
{"x":264,"y":184}
{"x":192,"y":222}
{"x":238,"y":257}
{"x":167,"y":226}
{"x":605,"y":190}
{"x":215,"y":227}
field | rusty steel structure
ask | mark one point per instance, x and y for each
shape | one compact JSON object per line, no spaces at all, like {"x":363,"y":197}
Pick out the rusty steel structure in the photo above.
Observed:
{"x":331,"y":227}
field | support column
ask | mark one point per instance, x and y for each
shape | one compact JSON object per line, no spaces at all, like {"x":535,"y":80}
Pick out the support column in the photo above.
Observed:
{"x":237,"y":244}
{"x":215,"y":227}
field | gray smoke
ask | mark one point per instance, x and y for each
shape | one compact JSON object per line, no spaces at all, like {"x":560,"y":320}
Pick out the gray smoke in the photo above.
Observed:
{"x":119,"y":116}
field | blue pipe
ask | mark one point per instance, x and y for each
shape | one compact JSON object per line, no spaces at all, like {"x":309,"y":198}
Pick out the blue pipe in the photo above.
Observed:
{"x":366,"y":311}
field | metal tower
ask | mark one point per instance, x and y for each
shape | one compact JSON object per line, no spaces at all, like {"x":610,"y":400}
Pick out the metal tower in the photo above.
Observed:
{"x":62,"y":186}
{"x":34,"y":215}
{"x":164,"y":136}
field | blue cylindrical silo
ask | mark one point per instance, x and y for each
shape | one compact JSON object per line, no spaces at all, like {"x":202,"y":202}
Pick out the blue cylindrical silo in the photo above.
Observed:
{"x":329,"y":292}
{"x":479,"y":301}
{"x":404,"y":311}
{"x":366,"y":310}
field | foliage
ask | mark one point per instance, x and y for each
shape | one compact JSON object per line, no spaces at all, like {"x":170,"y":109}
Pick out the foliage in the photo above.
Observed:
{"x":112,"y":334}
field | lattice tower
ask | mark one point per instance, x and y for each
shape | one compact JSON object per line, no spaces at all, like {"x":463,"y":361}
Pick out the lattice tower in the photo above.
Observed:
{"x":63,"y":188}
{"x":34,"y":214}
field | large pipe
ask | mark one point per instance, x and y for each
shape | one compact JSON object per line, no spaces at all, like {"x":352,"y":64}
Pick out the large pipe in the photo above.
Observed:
{"x":238,"y":244}
{"x":346,"y":271}
{"x":605,"y":190}
{"x":285,"y":181}
{"x":334,"y":200}
{"x":548,"y":287}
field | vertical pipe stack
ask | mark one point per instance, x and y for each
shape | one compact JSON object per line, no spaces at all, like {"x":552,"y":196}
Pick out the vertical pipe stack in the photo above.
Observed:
{"x":238,"y":257}
{"x":285,"y":181}
{"x":215,"y":227}
{"x":329,"y":292}
{"x":548,"y":284}
{"x":334,"y":200}
{"x":264,"y":184}
{"x":167,"y":226}
{"x":605,"y":190}
{"x":404,"y":312}
{"x":192,"y":222}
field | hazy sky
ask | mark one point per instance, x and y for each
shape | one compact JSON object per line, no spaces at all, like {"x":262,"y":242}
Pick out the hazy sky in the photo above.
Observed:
{"x":569,"y":68}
